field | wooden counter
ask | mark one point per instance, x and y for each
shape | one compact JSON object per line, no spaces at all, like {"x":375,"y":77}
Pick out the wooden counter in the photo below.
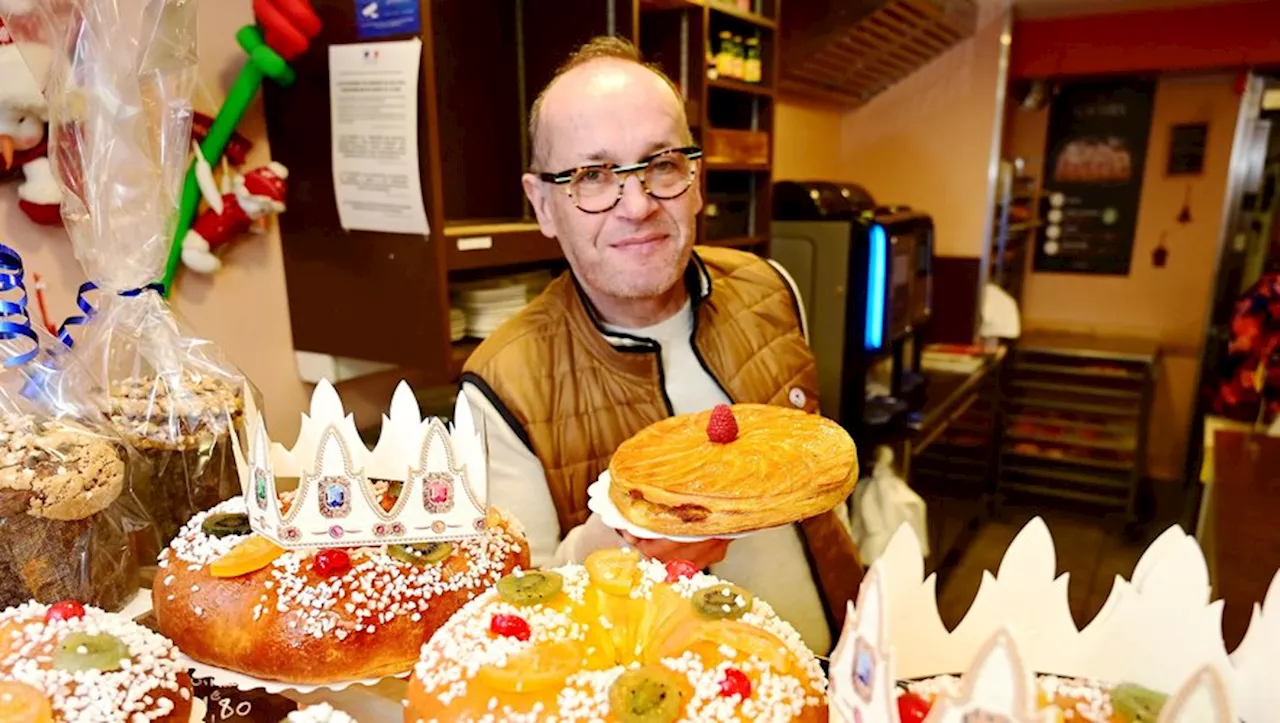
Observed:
{"x":1240,"y":524}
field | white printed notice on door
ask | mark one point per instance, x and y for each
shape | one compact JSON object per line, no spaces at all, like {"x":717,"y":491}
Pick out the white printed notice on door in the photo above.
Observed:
{"x":373,"y":106}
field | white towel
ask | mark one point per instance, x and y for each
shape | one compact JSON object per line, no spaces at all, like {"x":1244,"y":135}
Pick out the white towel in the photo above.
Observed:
{"x":1000,"y":316}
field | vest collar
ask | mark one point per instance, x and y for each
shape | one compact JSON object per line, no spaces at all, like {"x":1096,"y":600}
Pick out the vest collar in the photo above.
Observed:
{"x":696,"y":279}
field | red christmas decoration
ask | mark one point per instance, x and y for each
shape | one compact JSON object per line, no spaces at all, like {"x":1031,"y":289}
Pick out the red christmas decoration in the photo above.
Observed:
{"x":24,"y":128}
{"x":255,"y":195}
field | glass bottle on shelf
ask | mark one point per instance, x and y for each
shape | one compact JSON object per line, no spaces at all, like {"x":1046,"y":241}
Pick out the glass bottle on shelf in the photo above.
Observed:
{"x":752,"y":70}
{"x":739,"y":58}
{"x":725,"y":54}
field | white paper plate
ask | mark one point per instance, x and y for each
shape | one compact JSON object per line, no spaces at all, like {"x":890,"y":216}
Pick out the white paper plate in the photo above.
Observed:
{"x":230,"y":679}
{"x":598,"y":502}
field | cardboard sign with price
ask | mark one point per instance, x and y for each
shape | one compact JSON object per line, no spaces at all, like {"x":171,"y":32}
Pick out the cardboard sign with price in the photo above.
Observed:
{"x":231,"y":705}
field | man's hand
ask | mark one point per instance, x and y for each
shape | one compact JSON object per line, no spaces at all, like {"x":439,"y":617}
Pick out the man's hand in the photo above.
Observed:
{"x":702,"y":554}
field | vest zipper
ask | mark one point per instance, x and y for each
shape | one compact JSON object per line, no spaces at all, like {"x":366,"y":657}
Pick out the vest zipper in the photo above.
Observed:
{"x":697,"y":354}
{"x":656,"y":348}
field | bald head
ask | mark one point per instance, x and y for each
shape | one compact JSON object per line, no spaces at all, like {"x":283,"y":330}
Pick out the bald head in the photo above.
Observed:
{"x":601,"y":74}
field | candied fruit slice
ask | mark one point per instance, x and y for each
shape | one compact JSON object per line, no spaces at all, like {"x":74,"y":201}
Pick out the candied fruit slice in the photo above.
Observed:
{"x":249,"y":556}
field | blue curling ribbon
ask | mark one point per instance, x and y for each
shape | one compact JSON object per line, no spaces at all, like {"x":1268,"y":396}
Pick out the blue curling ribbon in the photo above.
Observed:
{"x":16,"y":322}
{"x":64,"y":334}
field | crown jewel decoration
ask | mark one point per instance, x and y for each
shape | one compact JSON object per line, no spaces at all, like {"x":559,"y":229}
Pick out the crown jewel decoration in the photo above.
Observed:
{"x":441,"y":471}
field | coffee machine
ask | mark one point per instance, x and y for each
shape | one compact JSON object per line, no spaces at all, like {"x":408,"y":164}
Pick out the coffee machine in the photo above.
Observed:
{"x":865,"y":275}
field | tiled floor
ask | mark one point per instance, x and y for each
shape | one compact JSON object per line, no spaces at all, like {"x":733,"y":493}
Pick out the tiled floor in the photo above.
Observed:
{"x":1091,"y":548}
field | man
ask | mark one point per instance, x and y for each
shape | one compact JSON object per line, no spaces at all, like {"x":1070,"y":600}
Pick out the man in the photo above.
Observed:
{"x":642,"y":328}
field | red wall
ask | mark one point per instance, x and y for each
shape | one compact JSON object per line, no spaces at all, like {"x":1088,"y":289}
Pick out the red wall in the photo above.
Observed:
{"x":1221,"y":36}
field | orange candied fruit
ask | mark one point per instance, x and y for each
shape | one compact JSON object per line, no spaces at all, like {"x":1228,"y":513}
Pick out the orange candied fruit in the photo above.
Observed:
{"x":21,"y":703}
{"x":540,"y":668}
{"x":249,"y":556}
{"x":615,"y":570}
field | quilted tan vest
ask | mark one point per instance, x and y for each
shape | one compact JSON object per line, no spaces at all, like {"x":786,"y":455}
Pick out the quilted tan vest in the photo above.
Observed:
{"x":573,"y":392}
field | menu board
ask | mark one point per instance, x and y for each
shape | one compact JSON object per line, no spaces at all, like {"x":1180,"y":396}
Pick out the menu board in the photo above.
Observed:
{"x":1095,"y":154}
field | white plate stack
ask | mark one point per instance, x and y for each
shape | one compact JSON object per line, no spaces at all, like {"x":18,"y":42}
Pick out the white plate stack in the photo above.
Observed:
{"x":457,"y":324}
{"x":487,"y":304}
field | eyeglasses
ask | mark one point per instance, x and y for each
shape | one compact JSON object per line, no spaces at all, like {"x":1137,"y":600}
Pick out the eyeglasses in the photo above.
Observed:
{"x":596,"y":189}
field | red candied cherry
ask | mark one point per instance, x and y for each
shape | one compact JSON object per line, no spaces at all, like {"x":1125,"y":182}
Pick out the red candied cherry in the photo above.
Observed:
{"x":510,"y":626}
{"x":680,"y":570}
{"x":735,"y":682}
{"x":912,"y":708}
{"x":65,"y":610}
{"x":329,"y":563}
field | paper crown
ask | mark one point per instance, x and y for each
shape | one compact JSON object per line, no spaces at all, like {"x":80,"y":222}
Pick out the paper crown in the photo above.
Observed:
{"x":441,"y":471}
{"x":1158,"y":630}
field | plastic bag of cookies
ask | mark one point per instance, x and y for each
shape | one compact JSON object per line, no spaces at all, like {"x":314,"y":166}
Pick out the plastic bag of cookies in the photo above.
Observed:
{"x":70,"y":525}
{"x":120,"y":127}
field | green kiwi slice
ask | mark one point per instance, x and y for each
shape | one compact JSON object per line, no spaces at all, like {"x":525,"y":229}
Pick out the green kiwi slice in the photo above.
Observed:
{"x":80,"y":652}
{"x":530,"y":587}
{"x":646,"y":695}
{"x":225,"y":525}
{"x":1136,"y":703}
{"x":426,"y":553}
{"x":722,"y":602}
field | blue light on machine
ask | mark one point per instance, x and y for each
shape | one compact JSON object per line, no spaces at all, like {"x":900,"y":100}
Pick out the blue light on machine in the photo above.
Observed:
{"x":876,"y":269}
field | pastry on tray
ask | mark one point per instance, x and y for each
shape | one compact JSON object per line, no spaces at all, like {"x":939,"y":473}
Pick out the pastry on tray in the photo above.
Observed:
{"x":732,"y":469}
{"x":619,"y":639}
{"x":70,"y":663}
{"x":230,"y":598}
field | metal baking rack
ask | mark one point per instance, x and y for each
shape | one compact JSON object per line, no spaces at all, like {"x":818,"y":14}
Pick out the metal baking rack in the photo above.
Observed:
{"x":1077,"y":411}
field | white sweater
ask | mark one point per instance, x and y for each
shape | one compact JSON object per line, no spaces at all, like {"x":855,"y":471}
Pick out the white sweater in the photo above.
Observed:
{"x":771,"y":564}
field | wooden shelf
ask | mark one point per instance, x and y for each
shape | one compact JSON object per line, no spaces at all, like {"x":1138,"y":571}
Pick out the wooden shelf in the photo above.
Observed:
{"x":731,"y":166}
{"x":670,"y":4}
{"x":750,"y":17}
{"x":740,"y":86}
{"x":491,"y":244}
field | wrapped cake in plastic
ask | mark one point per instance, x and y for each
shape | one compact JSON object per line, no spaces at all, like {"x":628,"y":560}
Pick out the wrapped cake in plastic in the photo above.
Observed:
{"x":70,"y":524}
{"x":119,"y":93}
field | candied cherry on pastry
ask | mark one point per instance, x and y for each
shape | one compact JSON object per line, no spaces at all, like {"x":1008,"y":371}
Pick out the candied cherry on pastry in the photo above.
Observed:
{"x":331,"y":562}
{"x":678,"y":570}
{"x":249,"y":556}
{"x":22,"y":702}
{"x":510,"y":626}
{"x":735,"y":682}
{"x":912,"y":708}
{"x":65,"y":610}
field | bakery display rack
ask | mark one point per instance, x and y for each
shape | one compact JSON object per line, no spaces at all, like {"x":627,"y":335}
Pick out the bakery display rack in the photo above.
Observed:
{"x":1077,"y":411}
{"x":1013,"y":232}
